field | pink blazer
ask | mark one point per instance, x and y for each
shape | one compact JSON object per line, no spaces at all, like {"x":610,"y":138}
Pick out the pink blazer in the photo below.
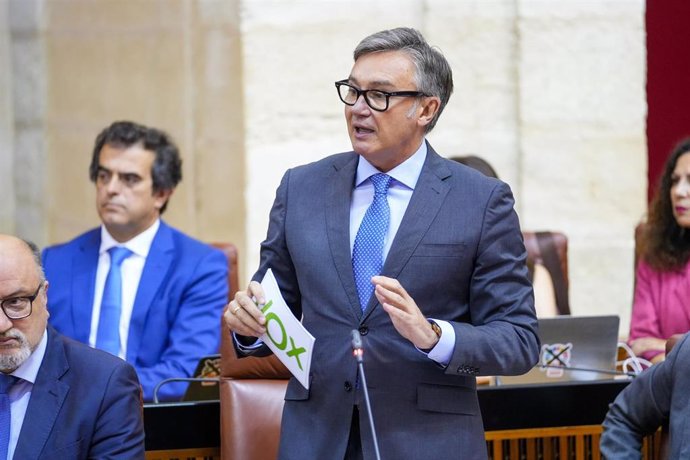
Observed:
{"x":661,"y":306}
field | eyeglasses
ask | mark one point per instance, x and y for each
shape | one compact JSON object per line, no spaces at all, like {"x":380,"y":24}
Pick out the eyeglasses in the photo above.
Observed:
{"x":376,"y":99}
{"x":19,"y":307}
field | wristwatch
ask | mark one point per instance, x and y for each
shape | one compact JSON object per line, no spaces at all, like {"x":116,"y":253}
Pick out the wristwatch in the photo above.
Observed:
{"x":437,"y":330}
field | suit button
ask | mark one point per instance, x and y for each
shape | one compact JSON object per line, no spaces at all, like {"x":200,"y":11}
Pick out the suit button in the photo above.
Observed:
{"x":364,"y":330}
{"x":348,"y":386}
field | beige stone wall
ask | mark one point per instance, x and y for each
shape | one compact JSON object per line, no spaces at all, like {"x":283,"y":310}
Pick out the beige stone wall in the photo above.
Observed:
{"x":7,"y":200}
{"x":551,"y":94}
{"x":582,"y":111}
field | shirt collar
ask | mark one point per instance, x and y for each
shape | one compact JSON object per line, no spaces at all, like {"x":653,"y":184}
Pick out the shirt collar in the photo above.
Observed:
{"x":29,"y":368}
{"x":406,"y":173}
{"x":139,"y":245}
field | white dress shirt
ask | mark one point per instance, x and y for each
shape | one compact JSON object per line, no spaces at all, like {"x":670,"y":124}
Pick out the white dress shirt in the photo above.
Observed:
{"x":131,"y":270}
{"x":20,"y":393}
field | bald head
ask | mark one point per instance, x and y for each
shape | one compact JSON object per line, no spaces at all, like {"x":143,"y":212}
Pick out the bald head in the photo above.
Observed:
{"x":16,"y":252}
{"x":21,"y":277}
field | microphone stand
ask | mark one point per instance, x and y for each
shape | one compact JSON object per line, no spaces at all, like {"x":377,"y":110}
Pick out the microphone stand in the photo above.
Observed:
{"x":357,"y":352}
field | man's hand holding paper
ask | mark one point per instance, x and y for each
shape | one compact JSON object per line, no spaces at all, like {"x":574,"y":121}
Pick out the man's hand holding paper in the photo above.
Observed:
{"x":243,"y":316}
{"x":270,"y":319}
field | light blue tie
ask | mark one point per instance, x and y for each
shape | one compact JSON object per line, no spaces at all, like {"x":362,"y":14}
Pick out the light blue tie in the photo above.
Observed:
{"x":367,"y":253}
{"x":108,"y":335}
{"x":6,"y":382}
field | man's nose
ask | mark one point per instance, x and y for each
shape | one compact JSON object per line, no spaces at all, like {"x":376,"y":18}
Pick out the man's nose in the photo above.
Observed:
{"x":361,"y":107}
{"x":114,"y":185}
{"x":5,"y":322}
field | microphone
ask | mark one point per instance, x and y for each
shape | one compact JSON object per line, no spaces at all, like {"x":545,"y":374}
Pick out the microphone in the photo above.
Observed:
{"x":181,"y":379}
{"x":357,"y":352}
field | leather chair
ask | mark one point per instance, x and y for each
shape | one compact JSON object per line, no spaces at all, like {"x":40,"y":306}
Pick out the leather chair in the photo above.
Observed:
{"x":252,"y":391}
{"x":230,"y":251}
{"x":550,"y":249}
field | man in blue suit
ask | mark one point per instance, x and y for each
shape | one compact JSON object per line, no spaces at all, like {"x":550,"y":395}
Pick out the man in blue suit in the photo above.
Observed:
{"x":135,"y":286}
{"x":421,"y":254}
{"x":61,"y":398}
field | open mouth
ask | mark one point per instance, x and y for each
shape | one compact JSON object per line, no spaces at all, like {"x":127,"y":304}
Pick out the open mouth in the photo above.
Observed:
{"x":360,"y":130}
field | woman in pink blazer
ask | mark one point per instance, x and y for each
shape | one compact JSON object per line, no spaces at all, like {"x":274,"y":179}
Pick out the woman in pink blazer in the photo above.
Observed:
{"x":661,"y":305}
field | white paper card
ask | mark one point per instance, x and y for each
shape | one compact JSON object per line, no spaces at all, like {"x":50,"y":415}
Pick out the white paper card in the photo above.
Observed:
{"x":285,"y":335}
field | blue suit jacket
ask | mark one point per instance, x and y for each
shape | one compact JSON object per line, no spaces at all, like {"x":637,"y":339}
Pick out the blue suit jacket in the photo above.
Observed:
{"x":458,"y":253}
{"x":85,"y":404}
{"x":658,"y":396}
{"x":177,"y":309}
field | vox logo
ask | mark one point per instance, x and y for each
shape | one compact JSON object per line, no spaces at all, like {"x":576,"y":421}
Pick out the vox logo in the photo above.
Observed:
{"x":275,"y":330}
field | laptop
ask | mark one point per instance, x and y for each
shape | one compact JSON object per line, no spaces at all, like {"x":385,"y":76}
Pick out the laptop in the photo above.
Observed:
{"x":573,"y":348}
{"x":207,"y":367}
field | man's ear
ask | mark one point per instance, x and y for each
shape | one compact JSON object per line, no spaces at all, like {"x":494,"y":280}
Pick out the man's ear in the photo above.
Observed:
{"x":161,"y":197}
{"x":429,"y":109}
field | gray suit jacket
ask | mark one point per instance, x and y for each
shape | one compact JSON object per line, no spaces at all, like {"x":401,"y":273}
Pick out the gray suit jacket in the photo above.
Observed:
{"x":658,"y":396}
{"x":458,"y":252}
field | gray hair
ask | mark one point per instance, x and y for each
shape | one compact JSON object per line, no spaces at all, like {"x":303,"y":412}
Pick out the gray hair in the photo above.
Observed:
{"x":433,"y":76}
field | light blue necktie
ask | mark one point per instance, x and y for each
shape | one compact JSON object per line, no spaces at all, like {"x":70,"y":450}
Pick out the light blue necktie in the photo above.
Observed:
{"x":367,"y":253}
{"x":6,"y":382}
{"x":108,"y":335}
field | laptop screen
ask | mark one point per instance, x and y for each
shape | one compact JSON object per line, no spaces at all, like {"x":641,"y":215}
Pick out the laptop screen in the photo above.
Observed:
{"x":573,"y":348}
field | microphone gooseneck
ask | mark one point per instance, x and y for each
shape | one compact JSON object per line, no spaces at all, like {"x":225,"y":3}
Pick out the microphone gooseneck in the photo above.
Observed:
{"x":357,"y":352}
{"x":181,"y":379}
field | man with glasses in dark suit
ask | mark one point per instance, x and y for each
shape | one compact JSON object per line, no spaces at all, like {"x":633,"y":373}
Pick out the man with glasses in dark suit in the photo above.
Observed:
{"x":420,"y":254}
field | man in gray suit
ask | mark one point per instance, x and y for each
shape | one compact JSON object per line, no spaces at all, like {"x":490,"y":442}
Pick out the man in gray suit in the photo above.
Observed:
{"x":422,"y":255}
{"x":658,"y":396}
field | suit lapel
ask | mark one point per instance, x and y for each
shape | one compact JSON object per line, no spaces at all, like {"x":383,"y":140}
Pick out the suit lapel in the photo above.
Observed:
{"x":155,"y":270}
{"x":338,"y":225}
{"x":425,"y":203}
{"x":83,"y":285}
{"x":47,"y":396}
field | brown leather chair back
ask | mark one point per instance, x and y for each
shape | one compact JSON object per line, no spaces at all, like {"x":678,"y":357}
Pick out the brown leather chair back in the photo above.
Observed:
{"x":252,"y":392}
{"x":230,"y":251}
{"x":550,"y":249}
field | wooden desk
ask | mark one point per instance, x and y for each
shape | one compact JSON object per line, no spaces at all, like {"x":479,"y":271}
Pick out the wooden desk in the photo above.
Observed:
{"x":525,"y":421}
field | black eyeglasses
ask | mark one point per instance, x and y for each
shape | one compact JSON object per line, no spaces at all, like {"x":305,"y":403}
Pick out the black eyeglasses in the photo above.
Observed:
{"x":376,"y":99}
{"x":19,"y":307}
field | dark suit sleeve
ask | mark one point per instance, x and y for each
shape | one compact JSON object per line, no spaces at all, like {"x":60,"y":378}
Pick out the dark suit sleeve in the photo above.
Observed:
{"x":501,"y":335}
{"x":194,"y":330}
{"x":119,"y":431}
{"x":275,"y":255}
{"x":643,"y":406}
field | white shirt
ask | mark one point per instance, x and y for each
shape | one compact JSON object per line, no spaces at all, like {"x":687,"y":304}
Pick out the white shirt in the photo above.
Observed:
{"x":131,"y":270}
{"x":20,"y":393}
